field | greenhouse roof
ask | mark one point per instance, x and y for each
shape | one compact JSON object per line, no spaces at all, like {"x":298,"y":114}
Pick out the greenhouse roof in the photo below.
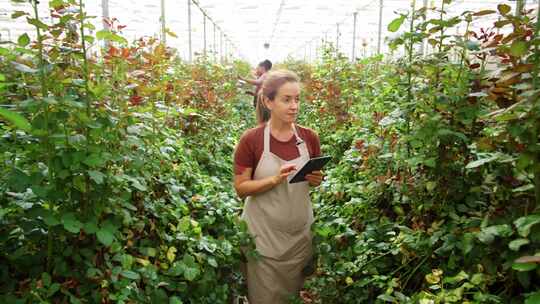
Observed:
{"x":252,"y":30}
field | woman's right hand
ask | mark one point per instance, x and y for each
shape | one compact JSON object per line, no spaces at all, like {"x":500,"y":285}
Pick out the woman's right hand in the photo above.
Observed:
{"x":284,"y":172}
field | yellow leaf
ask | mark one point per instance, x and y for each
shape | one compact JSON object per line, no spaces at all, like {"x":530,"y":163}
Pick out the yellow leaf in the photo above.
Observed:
{"x":142,"y":261}
{"x":171,"y":254}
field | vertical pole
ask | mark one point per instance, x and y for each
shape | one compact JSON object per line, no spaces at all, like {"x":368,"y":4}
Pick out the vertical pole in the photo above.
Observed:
{"x":379,"y":35}
{"x":221,"y":46}
{"x":310,"y":57}
{"x":214,"y":49}
{"x":204,"y":34}
{"x":190,"y":57}
{"x":337,"y":37}
{"x":105,"y":13}
{"x":105,"y":16}
{"x":424,"y":43}
{"x":520,"y":4}
{"x":226,"y":47}
{"x":353,"y":56}
{"x":163,"y":32}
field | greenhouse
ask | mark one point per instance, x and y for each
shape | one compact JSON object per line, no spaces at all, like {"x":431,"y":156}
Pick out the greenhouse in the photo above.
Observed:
{"x":204,"y":151}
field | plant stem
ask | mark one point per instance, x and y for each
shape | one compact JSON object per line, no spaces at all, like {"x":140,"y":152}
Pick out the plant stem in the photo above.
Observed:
{"x":87,"y":97}
{"x":409,"y":76}
{"x":441,"y":40}
{"x":464,"y":53}
{"x":536,"y":87}
{"x":46,"y":139}
{"x":414,"y":270}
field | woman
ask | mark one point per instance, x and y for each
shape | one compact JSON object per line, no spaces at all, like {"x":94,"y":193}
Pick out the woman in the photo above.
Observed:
{"x":278,"y":214}
{"x":260,"y":75}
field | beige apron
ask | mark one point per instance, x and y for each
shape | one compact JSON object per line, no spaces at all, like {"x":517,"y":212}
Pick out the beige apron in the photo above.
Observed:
{"x":280,"y":221}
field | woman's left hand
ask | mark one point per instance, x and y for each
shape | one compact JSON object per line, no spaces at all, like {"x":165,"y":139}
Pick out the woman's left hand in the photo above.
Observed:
{"x":315,"y":178}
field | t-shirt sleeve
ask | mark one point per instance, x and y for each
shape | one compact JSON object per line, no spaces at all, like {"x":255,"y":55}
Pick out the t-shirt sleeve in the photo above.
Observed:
{"x":316,"y":145}
{"x":244,"y":155}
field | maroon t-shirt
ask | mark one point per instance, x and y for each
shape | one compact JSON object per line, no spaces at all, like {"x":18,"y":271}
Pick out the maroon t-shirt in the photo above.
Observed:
{"x":251,"y":146}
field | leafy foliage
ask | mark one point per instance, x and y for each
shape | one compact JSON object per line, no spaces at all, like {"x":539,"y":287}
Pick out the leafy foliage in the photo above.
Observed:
{"x":433,"y":194}
{"x":113,"y":190}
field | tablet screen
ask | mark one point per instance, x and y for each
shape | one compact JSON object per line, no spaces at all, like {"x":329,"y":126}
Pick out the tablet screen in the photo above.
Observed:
{"x":314,"y":164}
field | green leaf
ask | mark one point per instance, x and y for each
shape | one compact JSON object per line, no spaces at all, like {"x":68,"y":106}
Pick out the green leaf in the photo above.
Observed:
{"x":46,"y":279}
{"x":396,"y":24}
{"x":523,"y":266}
{"x":110,"y":36}
{"x":504,"y":9}
{"x":17,"y":14}
{"x":130,"y":274}
{"x":430,"y":186}
{"x":37,"y":23}
{"x":89,"y":39}
{"x":488,"y":234}
{"x":175,"y":300}
{"x":177,"y":269}
{"x":462,"y":275}
{"x":23,"y":40}
{"x":105,"y":235}
{"x":212,"y":262}
{"x":386,"y":298}
{"x":138,"y":185}
{"x":96,"y":176}
{"x":477,"y":278}
{"x":480,"y":162}
{"x":519,"y":48}
{"x":91,"y":227}
{"x":50,"y":219}
{"x":533,"y":298}
{"x":23,"y":68}
{"x":524,"y":188}
{"x":524,"y":224}
{"x":53,"y":289}
{"x":484,"y":13}
{"x":4,"y":51}
{"x":502,"y":23}
{"x":191,"y":270}
{"x":467,"y":243}
{"x":71,"y":223}
{"x":94,"y":160}
{"x":148,"y":251}
{"x":16,"y":119}
{"x":90,"y":26}
{"x":516,"y":244}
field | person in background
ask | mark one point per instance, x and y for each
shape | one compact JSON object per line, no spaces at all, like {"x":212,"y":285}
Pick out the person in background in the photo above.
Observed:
{"x":278,"y":214}
{"x":260,"y":74}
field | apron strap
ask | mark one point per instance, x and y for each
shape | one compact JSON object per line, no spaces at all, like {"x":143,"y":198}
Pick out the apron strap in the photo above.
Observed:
{"x":301,"y":144}
{"x":267,"y":138}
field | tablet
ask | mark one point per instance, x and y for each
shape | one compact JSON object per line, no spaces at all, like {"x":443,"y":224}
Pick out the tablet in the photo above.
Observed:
{"x":314,"y":164}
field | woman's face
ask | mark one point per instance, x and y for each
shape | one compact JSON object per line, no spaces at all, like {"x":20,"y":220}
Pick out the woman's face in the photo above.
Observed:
{"x":286,"y":104}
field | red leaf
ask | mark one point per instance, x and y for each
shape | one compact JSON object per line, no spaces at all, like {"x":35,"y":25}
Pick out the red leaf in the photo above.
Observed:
{"x":112,"y":51}
{"x":135,"y":100}
{"x":125,"y":52}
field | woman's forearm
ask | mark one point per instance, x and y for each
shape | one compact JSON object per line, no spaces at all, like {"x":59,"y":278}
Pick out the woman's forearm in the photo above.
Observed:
{"x":252,"y":187}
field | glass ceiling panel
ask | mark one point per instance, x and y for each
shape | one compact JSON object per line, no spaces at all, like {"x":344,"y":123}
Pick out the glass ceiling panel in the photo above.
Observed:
{"x":290,"y":27}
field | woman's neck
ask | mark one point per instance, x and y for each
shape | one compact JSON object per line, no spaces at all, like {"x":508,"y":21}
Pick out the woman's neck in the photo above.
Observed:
{"x":279,"y":126}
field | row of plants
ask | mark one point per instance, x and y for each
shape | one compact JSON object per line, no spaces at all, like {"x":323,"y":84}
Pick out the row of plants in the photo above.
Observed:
{"x":434,"y":194}
{"x":114,"y":156}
